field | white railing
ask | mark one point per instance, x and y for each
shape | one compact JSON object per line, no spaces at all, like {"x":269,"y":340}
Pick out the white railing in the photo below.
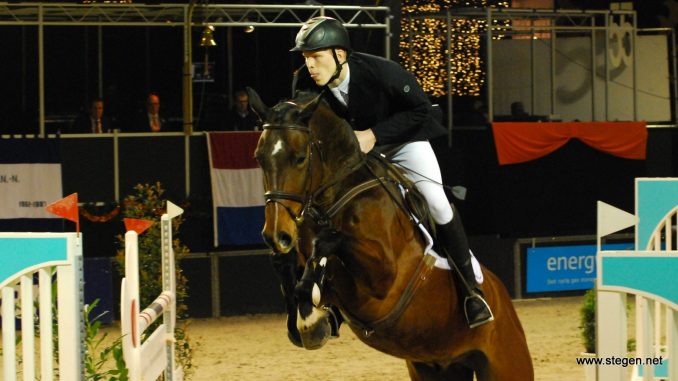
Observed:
{"x":28,"y":265}
{"x":148,"y":360}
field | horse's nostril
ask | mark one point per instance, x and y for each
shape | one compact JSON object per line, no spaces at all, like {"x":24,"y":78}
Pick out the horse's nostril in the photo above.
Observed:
{"x":284,"y":239}
{"x":268,"y":240}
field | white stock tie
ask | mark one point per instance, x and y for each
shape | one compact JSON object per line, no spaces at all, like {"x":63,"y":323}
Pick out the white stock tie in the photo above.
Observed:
{"x":345,"y":96}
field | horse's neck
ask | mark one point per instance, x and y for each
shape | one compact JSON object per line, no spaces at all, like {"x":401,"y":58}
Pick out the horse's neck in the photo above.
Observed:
{"x":339,"y":150}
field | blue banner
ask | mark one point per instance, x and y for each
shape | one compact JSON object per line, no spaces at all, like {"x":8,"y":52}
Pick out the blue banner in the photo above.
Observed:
{"x":564,"y":268}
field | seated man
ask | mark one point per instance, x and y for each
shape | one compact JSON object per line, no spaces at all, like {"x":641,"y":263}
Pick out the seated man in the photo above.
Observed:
{"x":240,"y":117}
{"x":93,"y":121}
{"x":150,"y":119}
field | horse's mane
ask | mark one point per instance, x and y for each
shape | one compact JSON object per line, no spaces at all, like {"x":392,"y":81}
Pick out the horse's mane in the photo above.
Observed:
{"x":311,"y":109}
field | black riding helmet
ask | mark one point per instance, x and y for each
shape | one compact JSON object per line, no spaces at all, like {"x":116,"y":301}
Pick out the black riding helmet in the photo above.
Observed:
{"x":321,"y":33}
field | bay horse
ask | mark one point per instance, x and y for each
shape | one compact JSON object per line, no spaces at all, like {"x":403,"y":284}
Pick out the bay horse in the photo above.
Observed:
{"x":339,"y":215}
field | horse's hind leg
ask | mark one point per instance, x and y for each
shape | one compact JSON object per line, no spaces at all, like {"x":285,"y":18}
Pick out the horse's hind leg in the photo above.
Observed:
{"x":431,"y":372}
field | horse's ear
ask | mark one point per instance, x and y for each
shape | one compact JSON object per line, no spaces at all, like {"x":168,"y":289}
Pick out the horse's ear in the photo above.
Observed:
{"x":257,"y":104}
{"x":309,"y":108}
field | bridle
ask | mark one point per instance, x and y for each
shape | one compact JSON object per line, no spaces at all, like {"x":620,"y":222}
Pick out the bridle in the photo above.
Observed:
{"x":276,"y":196}
{"x":307,"y":199}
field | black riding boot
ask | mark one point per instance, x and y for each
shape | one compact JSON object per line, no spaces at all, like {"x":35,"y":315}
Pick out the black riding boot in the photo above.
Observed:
{"x":455,"y":245}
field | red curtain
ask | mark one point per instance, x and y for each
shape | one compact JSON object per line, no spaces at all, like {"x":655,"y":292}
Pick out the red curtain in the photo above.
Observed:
{"x":518,"y":142}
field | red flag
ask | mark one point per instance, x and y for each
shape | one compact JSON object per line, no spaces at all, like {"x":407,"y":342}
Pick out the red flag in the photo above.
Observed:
{"x":137,"y":225}
{"x":67,"y":208}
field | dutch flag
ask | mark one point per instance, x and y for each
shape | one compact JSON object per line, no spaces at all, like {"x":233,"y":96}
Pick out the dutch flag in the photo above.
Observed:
{"x":237,"y":188}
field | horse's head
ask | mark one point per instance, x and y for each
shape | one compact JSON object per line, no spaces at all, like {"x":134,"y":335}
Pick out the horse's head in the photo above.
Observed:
{"x":302,"y":145}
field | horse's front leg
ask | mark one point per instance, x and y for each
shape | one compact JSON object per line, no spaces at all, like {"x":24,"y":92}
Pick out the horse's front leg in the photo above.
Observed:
{"x":317,"y":323}
{"x":285,"y":266}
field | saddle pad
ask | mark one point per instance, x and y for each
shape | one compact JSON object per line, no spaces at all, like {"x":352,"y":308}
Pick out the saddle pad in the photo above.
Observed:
{"x":441,"y":262}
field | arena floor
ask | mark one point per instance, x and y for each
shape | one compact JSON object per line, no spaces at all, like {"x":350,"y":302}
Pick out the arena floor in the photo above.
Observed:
{"x":256,"y":348}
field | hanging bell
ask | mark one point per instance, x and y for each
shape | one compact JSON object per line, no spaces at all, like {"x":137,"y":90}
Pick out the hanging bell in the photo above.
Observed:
{"x":207,"y":37}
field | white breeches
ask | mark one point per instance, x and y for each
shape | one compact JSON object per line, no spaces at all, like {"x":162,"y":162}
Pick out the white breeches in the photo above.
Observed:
{"x":421,"y":167}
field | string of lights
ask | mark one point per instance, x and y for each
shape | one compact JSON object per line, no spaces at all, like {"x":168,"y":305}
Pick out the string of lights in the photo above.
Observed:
{"x":424,"y":48}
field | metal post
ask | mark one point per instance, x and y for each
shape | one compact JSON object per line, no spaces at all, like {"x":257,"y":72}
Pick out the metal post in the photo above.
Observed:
{"x":674,"y":72}
{"x":607,"y":67}
{"x":553,"y":71}
{"x":593,"y":68}
{"x":634,"y":33}
{"x":100,"y":57}
{"x":450,"y":112}
{"x":187,"y":164}
{"x":490,"y":94}
{"x":409,"y":39}
{"x":116,"y":165}
{"x":24,"y":72}
{"x":215,"y":285}
{"x":533,"y":74}
{"x":517,"y":272}
{"x":188,"y":77}
{"x":229,"y":63}
{"x":41,"y":71}
{"x":387,"y":38}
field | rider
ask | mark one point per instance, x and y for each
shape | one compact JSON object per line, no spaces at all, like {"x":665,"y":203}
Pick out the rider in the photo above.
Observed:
{"x":387,"y":108}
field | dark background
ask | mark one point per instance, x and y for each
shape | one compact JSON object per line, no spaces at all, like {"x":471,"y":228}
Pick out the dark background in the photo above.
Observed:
{"x":138,"y":60}
{"x":551,"y":196}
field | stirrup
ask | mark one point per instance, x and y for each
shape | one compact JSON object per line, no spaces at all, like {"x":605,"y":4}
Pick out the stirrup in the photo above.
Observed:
{"x":482,"y":316}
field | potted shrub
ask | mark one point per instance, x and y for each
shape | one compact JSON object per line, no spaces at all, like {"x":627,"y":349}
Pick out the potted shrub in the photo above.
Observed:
{"x":588,"y":331}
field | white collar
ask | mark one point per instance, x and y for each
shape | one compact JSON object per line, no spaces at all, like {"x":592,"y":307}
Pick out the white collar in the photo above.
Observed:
{"x":343,"y":87}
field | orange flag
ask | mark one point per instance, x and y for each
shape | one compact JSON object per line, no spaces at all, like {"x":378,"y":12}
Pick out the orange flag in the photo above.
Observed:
{"x":137,"y":225}
{"x":67,"y":208}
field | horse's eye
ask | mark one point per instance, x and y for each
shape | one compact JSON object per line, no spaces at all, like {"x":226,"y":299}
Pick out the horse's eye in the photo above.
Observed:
{"x":300,"y":160}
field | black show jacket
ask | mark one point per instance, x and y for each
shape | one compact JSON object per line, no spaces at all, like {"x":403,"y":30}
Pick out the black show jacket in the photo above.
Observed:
{"x":385,"y":97}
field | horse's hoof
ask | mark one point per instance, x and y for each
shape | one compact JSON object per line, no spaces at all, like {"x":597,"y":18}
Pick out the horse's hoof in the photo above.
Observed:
{"x":317,"y":335}
{"x":294,"y":338}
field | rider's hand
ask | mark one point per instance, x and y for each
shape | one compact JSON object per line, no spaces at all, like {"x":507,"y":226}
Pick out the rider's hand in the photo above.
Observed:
{"x":366,"y":139}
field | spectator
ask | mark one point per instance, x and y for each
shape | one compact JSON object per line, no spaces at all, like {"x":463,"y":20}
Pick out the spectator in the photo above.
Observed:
{"x":150,"y":120}
{"x":240,"y":117}
{"x":518,"y":112}
{"x":93,"y":121}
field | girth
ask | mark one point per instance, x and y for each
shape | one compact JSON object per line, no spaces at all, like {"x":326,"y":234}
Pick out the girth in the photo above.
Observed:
{"x":420,"y":275}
